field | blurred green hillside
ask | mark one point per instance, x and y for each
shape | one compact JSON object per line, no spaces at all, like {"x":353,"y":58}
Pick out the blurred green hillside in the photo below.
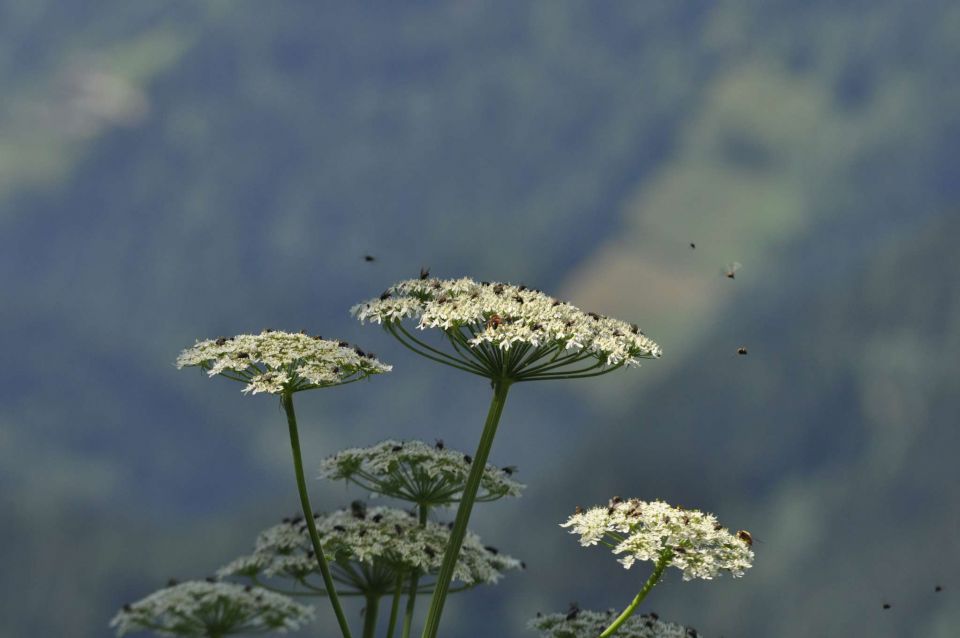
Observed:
{"x":172,"y":171}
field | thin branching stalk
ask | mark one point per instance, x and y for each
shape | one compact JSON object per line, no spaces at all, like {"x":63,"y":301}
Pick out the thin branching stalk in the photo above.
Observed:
{"x":423,"y":512}
{"x":370,"y":615}
{"x":395,"y":605}
{"x":501,"y":387}
{"x":287,"y":401}
{"x":647,"y":587}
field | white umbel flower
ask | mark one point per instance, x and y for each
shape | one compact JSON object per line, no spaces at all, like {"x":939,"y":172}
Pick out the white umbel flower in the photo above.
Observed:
{"x":385,"y":541}
{"x":694,"y":542}
{"x":203,"y":608}
{"x":277,"y":362}
{"x":590,"y":624}
{"x":502,"y":330}
{"x":429,"y":475}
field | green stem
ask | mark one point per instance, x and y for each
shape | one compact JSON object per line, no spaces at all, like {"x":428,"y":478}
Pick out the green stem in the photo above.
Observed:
{"x":370,"y":616}
{"x":649,"y":585}
{"x":500,"y":388}
{"x":287,"y":399}
{"x":414,"y":582}
{"x":395,"y":607}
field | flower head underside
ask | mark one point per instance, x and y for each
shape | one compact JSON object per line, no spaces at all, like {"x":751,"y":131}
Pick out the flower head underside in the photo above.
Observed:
{"x":506,"y":331}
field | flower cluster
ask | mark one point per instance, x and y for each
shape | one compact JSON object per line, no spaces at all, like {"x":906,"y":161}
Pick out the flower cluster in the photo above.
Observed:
{"x":498,"y":316}
{"x":692,"y":541}
{"x":278,"y":362}
{"x":414,"y":471}
{"x":590,"y":624}
{"x":203,"y":608}
{"x":385,"y":540}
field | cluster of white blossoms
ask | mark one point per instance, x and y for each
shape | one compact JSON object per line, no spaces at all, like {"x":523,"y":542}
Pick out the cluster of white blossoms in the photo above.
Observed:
{"x":590,"y":624}
{"x":417,"y":472}
{"x":504,"y":315}
{"x":202,"y":608}
{"x":277,"y":362}
{"x":378,"y":536}
{"x":693,"y":541}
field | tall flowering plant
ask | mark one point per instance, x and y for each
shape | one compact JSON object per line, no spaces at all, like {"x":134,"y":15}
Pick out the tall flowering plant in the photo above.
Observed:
{"x":508,"y":334}
{"x":284,"y":363}
{"x":690,"y":540}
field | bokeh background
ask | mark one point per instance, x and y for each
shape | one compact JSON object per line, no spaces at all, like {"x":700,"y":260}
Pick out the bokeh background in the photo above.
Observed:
{"x":179,"y":170}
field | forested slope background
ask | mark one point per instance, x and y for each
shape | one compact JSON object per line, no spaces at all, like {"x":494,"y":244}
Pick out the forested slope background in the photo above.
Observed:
{"x":182,"y":170}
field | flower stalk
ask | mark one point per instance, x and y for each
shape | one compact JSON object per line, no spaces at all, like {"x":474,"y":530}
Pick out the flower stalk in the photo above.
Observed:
{"x":370,"y":615}
{"x":655,"y":577}
{"x":500,"y":389}
{"x":287,"y":400}
{"x":422,"y":512}
{"x":395,"y":606}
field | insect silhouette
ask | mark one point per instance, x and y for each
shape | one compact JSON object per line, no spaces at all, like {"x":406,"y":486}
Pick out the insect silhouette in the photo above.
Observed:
{"x":424,"y":272}
{"x":358,"y":509}
{"x":369,"y":258}
{"x":742,"y":350}
{"x":693,"y":246}
{"x":731,"y":269}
